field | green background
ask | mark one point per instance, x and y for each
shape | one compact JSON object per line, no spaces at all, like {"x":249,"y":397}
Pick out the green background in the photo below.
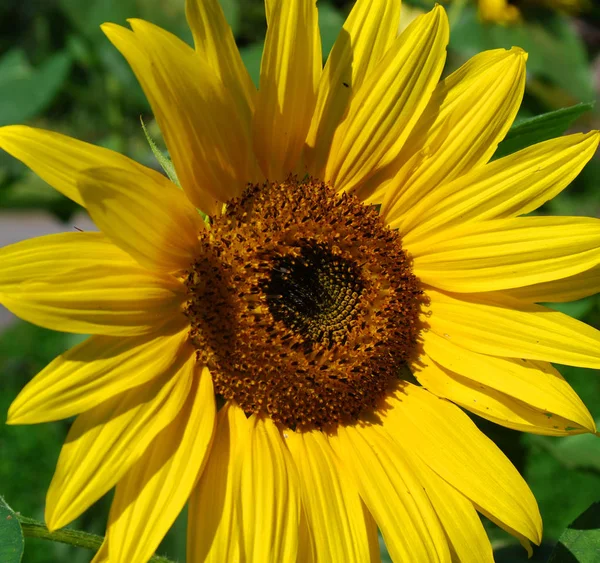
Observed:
{"x":58,"y":71}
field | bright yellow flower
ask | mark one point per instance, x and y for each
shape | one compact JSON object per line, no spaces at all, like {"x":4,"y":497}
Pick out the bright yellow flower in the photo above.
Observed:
{"x":257,"y":363}
{"x":507,"y":11}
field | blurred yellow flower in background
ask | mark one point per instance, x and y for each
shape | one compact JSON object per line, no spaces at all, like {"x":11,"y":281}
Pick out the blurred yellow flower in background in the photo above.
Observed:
{"x":292,"y":360}
{"x":507,"y":11}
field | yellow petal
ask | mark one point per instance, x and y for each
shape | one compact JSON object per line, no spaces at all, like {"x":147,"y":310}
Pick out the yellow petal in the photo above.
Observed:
{"x":389,"y":103}
{"x":214,"y":532}
{"x":507,"y":187}
{"x":494,"y":405}
{"x":269,"y":10}
{"x":306,"y":545}
{"x":93,"y":372}
{"x":106,"y":441}
{"x":498,"y":325}
{"x":208,"y":142}
{"x":154,"y":491}
{"x":149,"y":218}
{"x":102,"y":554}
{"x":342,"y":529}
{"x":82,"y":283}
{"x":392,"y":492}
{"x":61,"y":160}
{"x":506,"y":253}
{"x":457,"y":515}
{"x":460,"y":129}
{"x":250,"y":489}
{"x":289,"y":74}
{"x":268,"y":495}
{"x":527,"y":384}
{"x":454,"y":448}
{"x":365,"y":37}
{"x":216,"y":46}
{"x":559,"y":291}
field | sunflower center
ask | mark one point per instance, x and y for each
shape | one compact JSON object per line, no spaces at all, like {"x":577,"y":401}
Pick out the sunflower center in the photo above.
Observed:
{"x":315,"y":293}
{"x":302,"y":304}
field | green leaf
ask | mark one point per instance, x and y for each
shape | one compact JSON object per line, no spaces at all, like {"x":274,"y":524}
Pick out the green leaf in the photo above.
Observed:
{"x":562,"y":492}
{"x":164,"y":162}
{"x":540,"y":128}
{"x":11,"y":535}
{"x":580,"y":542}
{"x":28,"y":92}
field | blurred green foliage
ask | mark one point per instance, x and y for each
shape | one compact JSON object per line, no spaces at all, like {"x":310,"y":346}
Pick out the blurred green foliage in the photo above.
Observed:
{"x":58,"y":71}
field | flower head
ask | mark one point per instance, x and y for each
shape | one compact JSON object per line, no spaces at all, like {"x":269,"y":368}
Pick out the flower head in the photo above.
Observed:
{"x":293,"y":359}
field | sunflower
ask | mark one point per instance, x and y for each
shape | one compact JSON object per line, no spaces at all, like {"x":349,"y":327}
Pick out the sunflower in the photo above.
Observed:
{"x":292,"y":361}
{"x":509,"y":11}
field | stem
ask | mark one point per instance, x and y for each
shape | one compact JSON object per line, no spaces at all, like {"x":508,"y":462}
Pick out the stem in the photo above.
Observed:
{"x":34,"y":529}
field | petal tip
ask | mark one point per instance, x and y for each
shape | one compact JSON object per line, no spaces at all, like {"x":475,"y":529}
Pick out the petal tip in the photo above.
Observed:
{"x":114,"y":31}
{"x":438,"y":16}
{"x":519,"y":52}
{"x":107,"y":27}
{"x":440,"y":13}
{"x":13,"y":417}
{"x":538,"y":529}
{"x":50,"y":518}
{"x":52,"y":527}
{"x":9,"y":132}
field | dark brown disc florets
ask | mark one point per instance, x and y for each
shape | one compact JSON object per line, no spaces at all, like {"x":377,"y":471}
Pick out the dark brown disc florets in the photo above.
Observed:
{"x":315,"y":293}
{"x":302,"y":303}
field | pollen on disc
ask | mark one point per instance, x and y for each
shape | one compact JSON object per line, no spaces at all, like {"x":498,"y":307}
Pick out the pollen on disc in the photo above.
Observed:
{"x":302,"y":304}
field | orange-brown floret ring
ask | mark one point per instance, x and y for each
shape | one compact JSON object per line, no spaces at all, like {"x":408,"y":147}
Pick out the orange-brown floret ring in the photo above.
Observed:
{"x":303,"y":304}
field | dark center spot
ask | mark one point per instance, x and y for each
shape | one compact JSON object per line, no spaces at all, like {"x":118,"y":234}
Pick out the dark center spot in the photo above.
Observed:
{"x":315,"y":293}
